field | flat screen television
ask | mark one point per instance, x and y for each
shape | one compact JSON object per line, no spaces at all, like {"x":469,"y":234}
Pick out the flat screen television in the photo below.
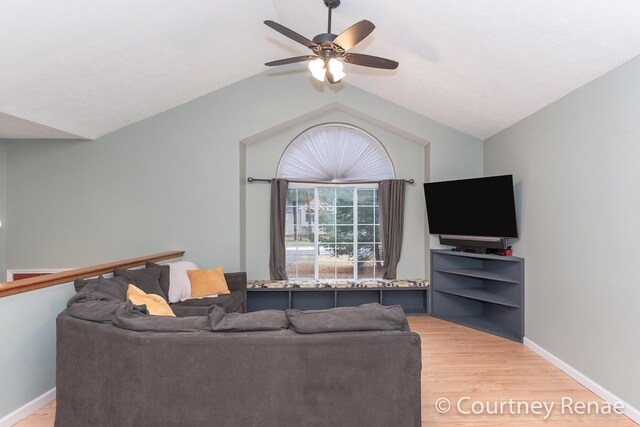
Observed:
{"x":477,"y":212}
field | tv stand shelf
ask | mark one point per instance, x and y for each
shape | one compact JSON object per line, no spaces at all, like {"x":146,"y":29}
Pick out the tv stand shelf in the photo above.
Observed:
{"x":480,"y":295}
{"x":481,"y":291}
{"x":478,"y":273}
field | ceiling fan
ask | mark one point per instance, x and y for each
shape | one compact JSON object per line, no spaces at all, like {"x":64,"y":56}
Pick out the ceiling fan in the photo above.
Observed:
{"x":331,"y":50}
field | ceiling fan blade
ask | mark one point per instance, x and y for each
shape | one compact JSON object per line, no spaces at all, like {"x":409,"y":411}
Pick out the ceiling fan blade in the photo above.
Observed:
{"x":370,"y":61}
{"x":354,"y":34}
{"x":291,"y":34}
{"x":289,"y":60}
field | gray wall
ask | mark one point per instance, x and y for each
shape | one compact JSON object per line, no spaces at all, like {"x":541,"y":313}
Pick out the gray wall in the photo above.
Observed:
{"x":173,"y":181}
{"x":577,"y":185}
{"x":2,"y":211}
{"x":28,"y":337}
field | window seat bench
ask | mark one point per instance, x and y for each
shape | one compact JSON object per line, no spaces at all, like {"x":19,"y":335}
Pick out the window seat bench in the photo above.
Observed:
{"x":412,"y":295}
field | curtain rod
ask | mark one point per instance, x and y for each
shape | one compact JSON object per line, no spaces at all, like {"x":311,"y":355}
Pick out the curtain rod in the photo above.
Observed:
{"x":251,"y":179}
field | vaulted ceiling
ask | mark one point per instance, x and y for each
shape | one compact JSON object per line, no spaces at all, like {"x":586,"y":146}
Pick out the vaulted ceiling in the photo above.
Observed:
{"x":82,"y":69}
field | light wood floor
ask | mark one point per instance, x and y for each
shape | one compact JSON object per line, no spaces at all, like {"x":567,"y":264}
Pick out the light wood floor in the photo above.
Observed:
{"x":459,"y":362}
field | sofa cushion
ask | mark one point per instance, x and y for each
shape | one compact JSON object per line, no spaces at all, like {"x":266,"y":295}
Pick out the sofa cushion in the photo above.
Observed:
{"x":164,"y":276}
{"x":156,"y":305}
{"x":179,"y":283}
{"x":230,"y":303}
{"x":265,"y":320}
{"x":190,"y":310}
{"x":137,"y":318}
{"x":100,"y":289}
{"x":147,"y":279}
{"x":366,"y":317}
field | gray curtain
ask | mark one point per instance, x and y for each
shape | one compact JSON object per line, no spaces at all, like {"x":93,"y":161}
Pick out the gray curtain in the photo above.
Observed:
{"x":277,"y":258}
{"x":391,"y":200}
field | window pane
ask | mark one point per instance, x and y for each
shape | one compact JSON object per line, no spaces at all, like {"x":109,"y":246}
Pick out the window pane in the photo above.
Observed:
{"x":344,"y":215}
{"x":365,"y":215}
{"x":366,"y":252}
{"x":296,"y":235}
{"x":289,"y":230}
{"x":305,"y":266}
{"x":366,"y":270}
{"x":292,"y":194}
{"x":327,"y":234}
{"x":327,"y":196}
{"x":305,"y":196}
{"x":299,"y":261}
{"x":376,"y":235}
{"x":379,"y":252}
{"x":344,"y":252}
{"x":326,"y":268}
{"x":290,"y":219}
{"x":379,"y":271}
{"x":304,"y":235}
{"x":344,"y":197}
{"x":344,"y":270}
{"x":376,"y":214}
{"x":365,"y":233}
{"x":326,"y":261}
{"x":292,"y":268}
{"x":327,"y":215}
{"x":344,"y":233}
{"x":291,"y":260}
{"x":365,"y":197}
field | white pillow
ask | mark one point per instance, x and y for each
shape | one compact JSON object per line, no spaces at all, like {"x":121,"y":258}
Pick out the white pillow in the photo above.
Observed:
{"x":179,"y":283}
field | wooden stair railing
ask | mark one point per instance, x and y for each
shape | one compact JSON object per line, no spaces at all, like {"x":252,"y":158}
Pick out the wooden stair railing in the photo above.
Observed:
{"x":33,"y":283}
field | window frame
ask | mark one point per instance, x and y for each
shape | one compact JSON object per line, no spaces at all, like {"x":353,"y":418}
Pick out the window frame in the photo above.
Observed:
{"x":355,"y":241}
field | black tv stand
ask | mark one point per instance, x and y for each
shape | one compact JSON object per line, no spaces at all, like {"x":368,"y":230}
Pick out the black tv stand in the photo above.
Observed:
{"x":470,"y":249}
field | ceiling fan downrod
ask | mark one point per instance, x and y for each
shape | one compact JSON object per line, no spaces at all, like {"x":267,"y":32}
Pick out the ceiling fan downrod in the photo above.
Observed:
{"x":331,"y":4}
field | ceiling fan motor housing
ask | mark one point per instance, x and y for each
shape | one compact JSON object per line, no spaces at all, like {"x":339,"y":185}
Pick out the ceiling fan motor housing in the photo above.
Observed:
{"x":325,"y":47}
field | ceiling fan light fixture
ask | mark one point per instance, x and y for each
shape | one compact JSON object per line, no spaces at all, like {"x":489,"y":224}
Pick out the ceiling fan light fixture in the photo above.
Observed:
{"x":335,"y":68}
{"x":316,"y":66}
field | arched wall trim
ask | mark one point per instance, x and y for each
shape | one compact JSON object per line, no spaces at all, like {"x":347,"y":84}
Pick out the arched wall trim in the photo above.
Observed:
{"x":335,"y":152}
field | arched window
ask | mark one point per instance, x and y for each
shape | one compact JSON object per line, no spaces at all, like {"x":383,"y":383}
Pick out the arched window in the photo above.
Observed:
{"x":332,"y":224}
{"x":335,"y":152}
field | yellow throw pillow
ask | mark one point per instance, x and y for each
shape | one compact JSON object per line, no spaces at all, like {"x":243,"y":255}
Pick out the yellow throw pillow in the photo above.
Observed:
{"x":208,"y":282}
{"x":156,"y":305}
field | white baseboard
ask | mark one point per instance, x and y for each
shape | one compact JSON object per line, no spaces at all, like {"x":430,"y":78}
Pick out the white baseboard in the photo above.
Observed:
{"x":28,"y":409}
{"x":603,"y":393}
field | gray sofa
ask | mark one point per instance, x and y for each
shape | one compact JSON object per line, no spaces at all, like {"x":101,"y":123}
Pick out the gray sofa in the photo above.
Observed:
{"x":118,"y":366}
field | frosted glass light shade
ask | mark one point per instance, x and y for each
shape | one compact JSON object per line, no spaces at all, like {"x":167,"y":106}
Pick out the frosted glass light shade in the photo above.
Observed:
{"x":336,"y":153}
{"x":335,"y":68}
{"x":316,"y":67}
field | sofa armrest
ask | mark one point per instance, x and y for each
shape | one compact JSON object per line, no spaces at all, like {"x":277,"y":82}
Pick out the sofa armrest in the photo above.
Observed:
{"x":238,"y":282}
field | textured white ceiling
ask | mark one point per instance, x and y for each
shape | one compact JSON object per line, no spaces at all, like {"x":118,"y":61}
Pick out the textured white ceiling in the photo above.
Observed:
{"x":87,"y":68}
